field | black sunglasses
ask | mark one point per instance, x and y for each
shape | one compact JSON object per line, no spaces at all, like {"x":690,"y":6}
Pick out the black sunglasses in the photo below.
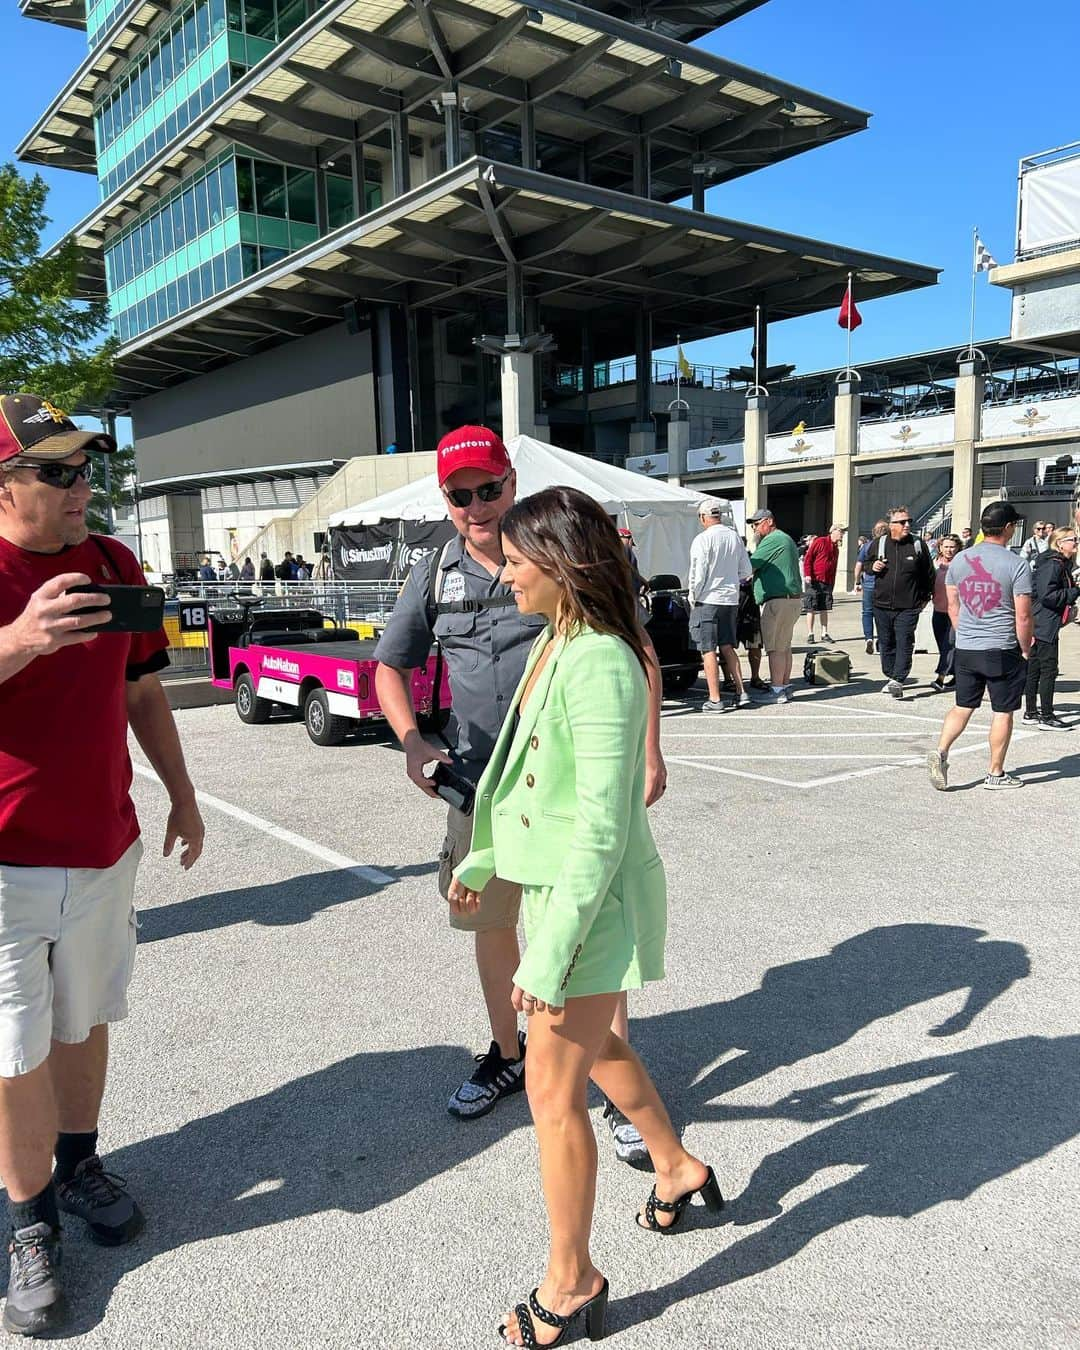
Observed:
{"x":60,"y":475}
{"x":905,"y":521}
{"x":486,"y":492}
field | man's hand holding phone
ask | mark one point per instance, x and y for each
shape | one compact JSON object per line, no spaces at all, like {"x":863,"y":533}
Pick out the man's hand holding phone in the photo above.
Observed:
{"x":56,"y":616}
{"x":418,"y":755}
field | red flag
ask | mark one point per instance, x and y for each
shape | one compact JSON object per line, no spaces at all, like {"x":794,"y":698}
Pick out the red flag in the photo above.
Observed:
{"x":849,"y":317}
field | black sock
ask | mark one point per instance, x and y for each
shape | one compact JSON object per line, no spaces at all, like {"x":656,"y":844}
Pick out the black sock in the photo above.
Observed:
{"x":71,"y":1150}
{"x":40,"y":1208}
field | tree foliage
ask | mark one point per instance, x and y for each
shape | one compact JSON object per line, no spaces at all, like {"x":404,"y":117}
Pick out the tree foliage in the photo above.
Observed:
{"x":120,"y":479}
{"x":51,"y":343}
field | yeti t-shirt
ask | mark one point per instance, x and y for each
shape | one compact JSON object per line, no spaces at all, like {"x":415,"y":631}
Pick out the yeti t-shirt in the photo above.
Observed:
{"x":986,"y":577}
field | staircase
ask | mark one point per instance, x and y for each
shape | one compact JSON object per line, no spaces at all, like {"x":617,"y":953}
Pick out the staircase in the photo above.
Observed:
{"x":937,"y":519}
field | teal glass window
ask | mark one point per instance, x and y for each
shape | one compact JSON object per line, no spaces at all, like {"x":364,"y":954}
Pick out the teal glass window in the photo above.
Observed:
{"x":339,"y":201}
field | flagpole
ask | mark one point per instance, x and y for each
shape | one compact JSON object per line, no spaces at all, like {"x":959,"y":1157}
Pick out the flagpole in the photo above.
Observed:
{"x":974,"y":279}
{"x":849,"y":323}
{"x":678,"y":366}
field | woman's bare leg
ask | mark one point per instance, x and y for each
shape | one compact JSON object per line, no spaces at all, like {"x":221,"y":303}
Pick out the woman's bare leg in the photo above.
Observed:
{"x":561,"y":1050}
{"x":622,"y":1078}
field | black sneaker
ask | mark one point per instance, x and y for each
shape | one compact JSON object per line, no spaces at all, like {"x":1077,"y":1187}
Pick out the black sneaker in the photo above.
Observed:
{"x":494,"y":1079}
{"x":1053,"y":724}
{"x":35,"y":1301}
{"x":629,"y":1145}
{"x":869,"y":646}
{"x":99,"y":1197}
{"x":762,"y":686}
{"x":1030,"y":719}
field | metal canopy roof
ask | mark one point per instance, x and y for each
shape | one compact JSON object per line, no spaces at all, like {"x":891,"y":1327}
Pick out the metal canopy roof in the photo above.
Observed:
{"x":66,"y":13}
{"x":592,"y":80}
{"x":682,"y":19}
{"x":185,"y":484}
{"x":582,"y":251}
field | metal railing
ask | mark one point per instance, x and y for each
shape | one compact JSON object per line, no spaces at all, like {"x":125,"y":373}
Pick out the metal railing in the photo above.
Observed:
{"x":346,"y":604}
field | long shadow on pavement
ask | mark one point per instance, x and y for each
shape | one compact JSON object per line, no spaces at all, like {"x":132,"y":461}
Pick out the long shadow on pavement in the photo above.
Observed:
{"x":278,"y":904}
{"x":369,"y":1129}
{"x":999,"y":1107}
{"x":808,"y":1007}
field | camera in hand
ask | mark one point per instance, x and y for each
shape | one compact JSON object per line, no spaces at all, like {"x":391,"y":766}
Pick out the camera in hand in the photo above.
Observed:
{"x":454,"y":789}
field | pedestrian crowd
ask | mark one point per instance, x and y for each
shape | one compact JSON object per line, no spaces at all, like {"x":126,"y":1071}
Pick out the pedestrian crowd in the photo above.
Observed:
{"x":554,"y":764}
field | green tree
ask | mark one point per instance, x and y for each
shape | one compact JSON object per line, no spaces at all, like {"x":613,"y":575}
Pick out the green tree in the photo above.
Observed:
{"x":51,"y":342}
{"x":117,"y":471}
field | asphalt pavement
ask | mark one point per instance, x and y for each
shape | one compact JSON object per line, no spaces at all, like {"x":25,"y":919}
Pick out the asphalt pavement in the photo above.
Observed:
{"x":870,"y":1028}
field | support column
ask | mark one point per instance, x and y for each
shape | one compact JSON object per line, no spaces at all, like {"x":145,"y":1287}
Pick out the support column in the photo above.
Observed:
{"x":755,"y":429}
{"x":697,"y":187}
{"x":451,"y":107}
{"x":399,"y":152}
{"x":518,"y":378}
{"x":967,"y":429}
{"x":528,"y":136}
{"x":847,"y":408}
{"x":642,"y":166}
{"x":678,"y":444}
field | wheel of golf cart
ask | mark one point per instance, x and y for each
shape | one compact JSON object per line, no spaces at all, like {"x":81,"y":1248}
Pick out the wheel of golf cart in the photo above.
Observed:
{"x":249,"y":707}
{"x":679,"y":681}
{"x":427,"y":724}
{"x":323,"y":726}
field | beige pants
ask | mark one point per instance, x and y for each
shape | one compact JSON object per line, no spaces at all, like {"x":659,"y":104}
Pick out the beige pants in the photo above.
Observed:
{"x":778,"y":619}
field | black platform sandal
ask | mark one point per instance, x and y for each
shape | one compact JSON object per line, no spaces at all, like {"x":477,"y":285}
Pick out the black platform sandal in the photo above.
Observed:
{"x":595,"y":1310}
{"x":709,"y":1191}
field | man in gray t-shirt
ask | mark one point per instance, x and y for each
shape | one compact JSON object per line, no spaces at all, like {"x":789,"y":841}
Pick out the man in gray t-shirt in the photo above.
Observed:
{"x":989,"y":590}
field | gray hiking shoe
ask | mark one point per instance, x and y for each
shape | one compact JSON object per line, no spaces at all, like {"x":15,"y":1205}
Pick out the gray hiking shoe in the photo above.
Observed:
{"x":938,"y":765}
{"x":629,"y":1145}
{"x":35,"y":1301}
{"x":99,"y":1197}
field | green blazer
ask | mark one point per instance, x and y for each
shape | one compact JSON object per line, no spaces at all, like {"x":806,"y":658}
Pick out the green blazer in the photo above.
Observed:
{"x":561,"y":805}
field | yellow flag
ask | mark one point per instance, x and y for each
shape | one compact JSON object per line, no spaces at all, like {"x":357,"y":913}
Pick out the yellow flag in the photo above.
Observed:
{"x":686,"y":370}
{"x":798,"y":430}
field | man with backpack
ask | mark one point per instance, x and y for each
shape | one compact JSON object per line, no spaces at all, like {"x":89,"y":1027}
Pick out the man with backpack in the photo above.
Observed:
{"x":456,"y":596}
{"x":903,"y":584}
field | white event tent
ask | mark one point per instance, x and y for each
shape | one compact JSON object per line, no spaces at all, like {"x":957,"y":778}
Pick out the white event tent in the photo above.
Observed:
{"x":663,"y":517}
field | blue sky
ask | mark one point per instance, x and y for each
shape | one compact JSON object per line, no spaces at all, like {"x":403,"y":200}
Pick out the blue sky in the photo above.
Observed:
{"x":960,"y":91}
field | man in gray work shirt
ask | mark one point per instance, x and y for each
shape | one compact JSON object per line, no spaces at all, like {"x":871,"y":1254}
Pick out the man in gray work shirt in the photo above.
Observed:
{"x":485,"y":643}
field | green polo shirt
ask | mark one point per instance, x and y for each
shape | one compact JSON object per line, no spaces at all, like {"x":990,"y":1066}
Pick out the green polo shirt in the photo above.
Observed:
{"x":776,"y":568}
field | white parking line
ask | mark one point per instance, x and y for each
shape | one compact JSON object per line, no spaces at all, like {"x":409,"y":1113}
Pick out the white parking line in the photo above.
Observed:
{"x":326,"y":855}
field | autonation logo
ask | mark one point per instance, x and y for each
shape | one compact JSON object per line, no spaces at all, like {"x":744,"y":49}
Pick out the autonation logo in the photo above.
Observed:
{"x":282,"y":666}
{"x":350,"y":556}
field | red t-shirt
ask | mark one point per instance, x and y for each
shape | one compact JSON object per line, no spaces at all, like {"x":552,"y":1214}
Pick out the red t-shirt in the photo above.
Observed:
{"x":821,"y":559}
{"x":65,"y":773}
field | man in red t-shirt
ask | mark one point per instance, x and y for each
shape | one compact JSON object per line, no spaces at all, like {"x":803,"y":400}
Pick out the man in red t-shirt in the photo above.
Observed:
{"x":819,"y":568}
{"x":69,"y":843}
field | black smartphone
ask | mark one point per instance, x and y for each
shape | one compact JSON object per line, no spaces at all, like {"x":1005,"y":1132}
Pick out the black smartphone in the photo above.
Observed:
{"x":134,"y":609}
{"x":453,"y":788}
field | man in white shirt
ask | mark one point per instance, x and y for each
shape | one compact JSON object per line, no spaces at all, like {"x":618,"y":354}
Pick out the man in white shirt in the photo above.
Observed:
{"x":1038,"y":543}
{"x":718,"y":563}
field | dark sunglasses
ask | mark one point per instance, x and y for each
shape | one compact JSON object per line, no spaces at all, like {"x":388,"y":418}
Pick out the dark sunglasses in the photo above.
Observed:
{"x":486,"y":492}
{"x":905,"y":521}
{"x":60,"y":475}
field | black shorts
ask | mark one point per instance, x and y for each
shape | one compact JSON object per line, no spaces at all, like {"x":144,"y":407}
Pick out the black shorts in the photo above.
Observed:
{"x":713,"y":626}
{"x":818,"y":599}
{"x":1002,"y":672}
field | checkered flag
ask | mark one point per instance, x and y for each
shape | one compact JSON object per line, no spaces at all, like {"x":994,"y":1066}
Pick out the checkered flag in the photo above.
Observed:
{"x":984,"y":259}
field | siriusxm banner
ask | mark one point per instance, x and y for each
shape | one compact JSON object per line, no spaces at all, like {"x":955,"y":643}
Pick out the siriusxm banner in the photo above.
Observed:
{"x":387,"y":551}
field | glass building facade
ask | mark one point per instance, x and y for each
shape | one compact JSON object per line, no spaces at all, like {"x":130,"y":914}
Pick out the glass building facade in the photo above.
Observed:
{"x":188,"y":64}
{"x":236,"y":216}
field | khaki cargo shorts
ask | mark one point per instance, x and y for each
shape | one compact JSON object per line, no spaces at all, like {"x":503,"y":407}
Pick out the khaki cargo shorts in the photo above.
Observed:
{"x":67,"y":952}
{"x":778,"y":619}
{"x":500,"y":900}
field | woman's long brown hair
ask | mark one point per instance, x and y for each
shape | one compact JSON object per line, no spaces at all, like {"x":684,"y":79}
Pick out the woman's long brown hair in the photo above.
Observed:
{"x":571,"y":538}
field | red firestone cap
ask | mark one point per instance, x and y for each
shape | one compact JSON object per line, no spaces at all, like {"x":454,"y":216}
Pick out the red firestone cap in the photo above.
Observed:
{"x":471,"y":448}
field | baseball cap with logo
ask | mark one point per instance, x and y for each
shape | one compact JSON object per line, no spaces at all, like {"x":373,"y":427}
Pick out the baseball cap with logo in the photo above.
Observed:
{"x":34,"y":429}
{"x":471,"y":448}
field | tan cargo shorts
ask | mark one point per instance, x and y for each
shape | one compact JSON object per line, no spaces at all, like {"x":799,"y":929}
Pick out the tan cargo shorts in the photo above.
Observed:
{"x":500,"y":900}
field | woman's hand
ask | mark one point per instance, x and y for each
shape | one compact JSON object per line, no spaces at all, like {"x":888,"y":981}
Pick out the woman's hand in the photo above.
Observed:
{"x":462,"y":900}
{"x":655,"y":775}
{"x":525,"y":1003}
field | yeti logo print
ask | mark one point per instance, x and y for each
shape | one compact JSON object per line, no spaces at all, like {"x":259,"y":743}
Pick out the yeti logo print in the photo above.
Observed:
{"x":980,"y":592}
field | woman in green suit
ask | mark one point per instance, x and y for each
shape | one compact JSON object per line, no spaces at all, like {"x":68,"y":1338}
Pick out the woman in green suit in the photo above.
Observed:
{"x":561,"y":810}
